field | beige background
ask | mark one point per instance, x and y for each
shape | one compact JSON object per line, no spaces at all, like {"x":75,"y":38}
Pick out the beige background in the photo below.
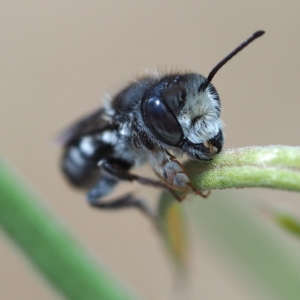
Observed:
{"x":59,"y":57}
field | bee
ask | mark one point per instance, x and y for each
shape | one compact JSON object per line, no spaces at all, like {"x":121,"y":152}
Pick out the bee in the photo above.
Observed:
{"x":154,"y":119}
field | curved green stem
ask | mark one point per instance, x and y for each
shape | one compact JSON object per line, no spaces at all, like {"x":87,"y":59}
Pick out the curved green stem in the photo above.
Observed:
{"x":51,"y":247}
{"x":275,"y":167}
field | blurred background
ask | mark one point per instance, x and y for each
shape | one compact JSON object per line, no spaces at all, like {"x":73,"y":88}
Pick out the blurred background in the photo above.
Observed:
{"x":57,"y":60}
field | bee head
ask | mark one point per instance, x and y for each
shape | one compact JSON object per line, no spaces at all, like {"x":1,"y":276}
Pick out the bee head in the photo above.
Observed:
{"x":181,"y":114}
{"x":183,"y":110}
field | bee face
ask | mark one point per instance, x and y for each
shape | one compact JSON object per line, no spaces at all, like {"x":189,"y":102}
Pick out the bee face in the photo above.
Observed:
{"x":181,"y":114}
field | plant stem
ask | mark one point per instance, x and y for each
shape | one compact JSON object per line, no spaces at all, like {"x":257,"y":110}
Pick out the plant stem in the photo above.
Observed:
{"x":70,"y":268}
{"x":275,"y":167}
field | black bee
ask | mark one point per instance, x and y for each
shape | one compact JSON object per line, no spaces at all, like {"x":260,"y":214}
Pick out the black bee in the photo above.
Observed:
{"x":145,"y":121}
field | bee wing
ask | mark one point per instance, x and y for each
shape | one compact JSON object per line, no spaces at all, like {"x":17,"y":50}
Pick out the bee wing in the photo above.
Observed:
{"x":91,"y":123}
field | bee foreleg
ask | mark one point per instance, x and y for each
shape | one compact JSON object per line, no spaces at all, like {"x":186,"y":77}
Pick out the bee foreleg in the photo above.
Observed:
{"x":173,"y":173}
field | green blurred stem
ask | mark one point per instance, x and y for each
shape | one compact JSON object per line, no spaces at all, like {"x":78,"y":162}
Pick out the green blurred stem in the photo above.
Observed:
{"x":53,"y":249}
{"x":275,"y":167}
{"x":288,"y":222}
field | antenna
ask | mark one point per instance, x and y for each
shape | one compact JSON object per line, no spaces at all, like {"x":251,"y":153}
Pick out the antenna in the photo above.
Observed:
{"x":213,"y":72}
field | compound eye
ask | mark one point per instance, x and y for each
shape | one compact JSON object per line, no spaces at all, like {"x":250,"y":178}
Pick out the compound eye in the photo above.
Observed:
{"x":162,"y":122}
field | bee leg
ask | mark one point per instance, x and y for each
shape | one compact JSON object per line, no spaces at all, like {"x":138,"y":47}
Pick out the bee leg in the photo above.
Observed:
{"x":110,"y":167}
{"x":173,"y":173}
{"x":105,"y":186}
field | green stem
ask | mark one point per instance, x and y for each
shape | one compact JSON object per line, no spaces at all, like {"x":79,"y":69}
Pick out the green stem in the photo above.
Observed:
{"x":50,"y":246}
{"x":288,"y":222}
{"x":275,"y":167}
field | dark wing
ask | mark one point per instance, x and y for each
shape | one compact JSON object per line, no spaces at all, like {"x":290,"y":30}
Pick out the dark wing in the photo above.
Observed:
{"x":90,"y":124}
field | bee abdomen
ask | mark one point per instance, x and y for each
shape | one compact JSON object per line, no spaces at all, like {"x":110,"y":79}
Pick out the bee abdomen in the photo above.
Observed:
{"x":80,"y":170}
{"x":80,"y":161}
